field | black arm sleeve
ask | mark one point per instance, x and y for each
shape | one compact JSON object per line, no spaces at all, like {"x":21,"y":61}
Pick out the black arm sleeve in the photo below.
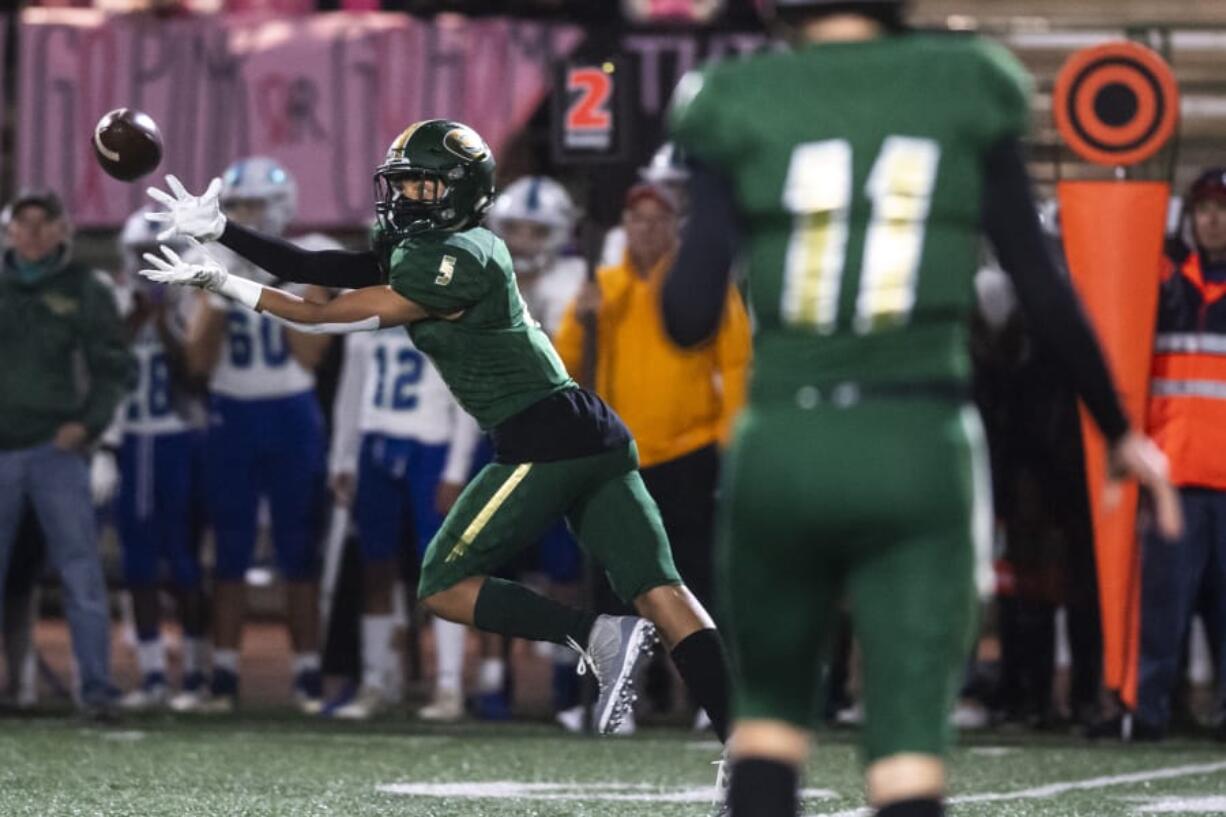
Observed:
{"x":697,"y":285}
{"x":1053,"y":313}
{"x":340,"y":269}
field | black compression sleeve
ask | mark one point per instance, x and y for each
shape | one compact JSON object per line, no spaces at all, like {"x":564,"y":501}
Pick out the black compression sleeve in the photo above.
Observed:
{"x":341,"y":269}
{"x":697,"y":285}
{"x":1054,"y":315}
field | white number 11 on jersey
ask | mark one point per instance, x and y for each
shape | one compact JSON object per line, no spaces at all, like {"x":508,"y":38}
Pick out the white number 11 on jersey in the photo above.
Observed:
{"x":818,"y":192}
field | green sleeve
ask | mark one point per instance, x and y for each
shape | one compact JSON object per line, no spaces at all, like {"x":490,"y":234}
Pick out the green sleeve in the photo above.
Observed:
{"x":443,"y":278}
{"x":109,"y":361}
{"x":1007,"y":89}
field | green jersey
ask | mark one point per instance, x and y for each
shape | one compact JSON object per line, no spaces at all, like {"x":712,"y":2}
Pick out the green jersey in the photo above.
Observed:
{"x":857,"y":169}
{"x":495,"y":359}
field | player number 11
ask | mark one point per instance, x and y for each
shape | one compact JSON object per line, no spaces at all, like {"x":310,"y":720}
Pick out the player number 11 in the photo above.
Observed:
{"x":818,"y":192}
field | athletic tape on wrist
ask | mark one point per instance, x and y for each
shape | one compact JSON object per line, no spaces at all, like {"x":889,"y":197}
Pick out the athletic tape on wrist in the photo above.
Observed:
{"x":242,"y":290}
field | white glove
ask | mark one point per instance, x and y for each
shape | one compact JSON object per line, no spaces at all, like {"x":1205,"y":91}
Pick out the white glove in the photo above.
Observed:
{"x":103,"y":477}
{"x":197,"y":217}
{"x":203,"y":271}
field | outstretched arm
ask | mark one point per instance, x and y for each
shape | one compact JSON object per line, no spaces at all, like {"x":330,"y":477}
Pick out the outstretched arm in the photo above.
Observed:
{"x":200,"y":217}
{"x":364,"y":309}
{"x":337,"y":269}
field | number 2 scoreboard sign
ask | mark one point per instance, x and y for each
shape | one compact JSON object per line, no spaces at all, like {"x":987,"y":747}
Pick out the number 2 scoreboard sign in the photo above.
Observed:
{"x":589,"y":112}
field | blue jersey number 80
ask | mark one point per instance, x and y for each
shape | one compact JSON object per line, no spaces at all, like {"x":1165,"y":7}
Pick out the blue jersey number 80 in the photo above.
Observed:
{"x":249,"y":338}
{"x":408,"y":366}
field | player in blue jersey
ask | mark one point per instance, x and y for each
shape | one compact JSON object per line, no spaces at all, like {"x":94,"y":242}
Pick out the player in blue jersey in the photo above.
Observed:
{"x":265,"y":444}
{"x":157,"y":508}
{"x":402,"y":450}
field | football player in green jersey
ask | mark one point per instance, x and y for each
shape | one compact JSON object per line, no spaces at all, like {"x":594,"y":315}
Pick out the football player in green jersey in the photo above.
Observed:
{"x":559,"y":450}
{"x":853,"y":174}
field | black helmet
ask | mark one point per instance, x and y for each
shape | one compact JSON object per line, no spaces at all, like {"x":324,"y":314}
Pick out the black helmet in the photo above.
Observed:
{"x":437,"y":150}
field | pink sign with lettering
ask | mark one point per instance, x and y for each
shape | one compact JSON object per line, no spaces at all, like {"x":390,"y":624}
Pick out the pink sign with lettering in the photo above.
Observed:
{"x":324,"y":94}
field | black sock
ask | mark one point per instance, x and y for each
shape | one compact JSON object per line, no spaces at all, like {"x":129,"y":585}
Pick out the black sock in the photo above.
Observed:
{"x":913,"y":808}
{"x":703,"y":664}
{"x":511,"y":609}
{"x":763,"y":788}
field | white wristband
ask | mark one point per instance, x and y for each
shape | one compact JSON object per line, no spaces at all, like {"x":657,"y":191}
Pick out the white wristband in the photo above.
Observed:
{"x":242,"y":290}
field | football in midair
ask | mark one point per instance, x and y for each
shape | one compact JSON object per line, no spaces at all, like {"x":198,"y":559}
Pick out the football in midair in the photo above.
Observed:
{"x":127,"y":143}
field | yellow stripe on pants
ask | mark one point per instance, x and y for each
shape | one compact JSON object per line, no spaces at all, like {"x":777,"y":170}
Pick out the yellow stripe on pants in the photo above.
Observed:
{"x":483,"y":517}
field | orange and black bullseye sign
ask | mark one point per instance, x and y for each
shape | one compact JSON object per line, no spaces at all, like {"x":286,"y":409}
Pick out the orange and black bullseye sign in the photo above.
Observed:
{"x":1116,"y":104}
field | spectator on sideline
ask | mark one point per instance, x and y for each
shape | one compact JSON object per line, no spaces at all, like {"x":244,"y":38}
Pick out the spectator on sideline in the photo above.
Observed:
{"x":56,"y":314}
{"x":1187,"y":418}
{"x":667,"y":170}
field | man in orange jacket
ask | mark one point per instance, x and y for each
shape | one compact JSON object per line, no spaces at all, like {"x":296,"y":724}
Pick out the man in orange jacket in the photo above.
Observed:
{"x":1187,"y":418}
{"x":679,"y":403}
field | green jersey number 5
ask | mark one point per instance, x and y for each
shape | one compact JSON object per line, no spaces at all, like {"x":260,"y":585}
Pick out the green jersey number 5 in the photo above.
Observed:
{"x":818,"y":193}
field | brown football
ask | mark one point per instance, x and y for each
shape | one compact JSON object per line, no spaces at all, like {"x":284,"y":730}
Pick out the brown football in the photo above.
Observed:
{"x":127,"y":144}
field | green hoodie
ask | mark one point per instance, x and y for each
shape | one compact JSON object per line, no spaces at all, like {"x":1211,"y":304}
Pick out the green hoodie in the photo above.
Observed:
{"x":63,"y":354}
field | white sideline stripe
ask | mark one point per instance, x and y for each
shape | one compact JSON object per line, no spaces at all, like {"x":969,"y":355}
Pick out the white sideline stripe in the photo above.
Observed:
{"x":356,"y":738}
{"x":1052,"y":789}
{"x":517,"y":790}
{"x":1184,"y":805}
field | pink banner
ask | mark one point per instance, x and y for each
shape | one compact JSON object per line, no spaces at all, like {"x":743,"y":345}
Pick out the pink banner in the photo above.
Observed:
{"x":324,"y":94}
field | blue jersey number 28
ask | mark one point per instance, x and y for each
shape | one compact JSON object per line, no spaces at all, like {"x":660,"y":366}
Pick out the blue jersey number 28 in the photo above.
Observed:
{"x":154,"y":400}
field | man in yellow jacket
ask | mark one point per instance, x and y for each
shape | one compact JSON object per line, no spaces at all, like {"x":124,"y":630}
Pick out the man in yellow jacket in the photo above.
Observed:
{"x":679,"y":403}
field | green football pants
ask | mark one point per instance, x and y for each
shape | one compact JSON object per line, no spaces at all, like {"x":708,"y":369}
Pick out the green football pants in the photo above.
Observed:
{"x":506,"y":508}
{"x":881,"y":506}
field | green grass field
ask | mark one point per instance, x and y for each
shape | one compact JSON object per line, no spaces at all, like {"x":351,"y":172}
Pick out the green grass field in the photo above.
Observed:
{"x":273,"y":765}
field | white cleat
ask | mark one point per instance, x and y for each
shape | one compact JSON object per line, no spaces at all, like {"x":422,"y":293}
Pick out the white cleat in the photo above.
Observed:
{"x":146,"y":698}
{"x":308,"y":704}
{"x":447,"y":707}
{"x":850,"y":716}
{"x":616,"y":649}
{"x":572,"y":721}
{"x":367,"y":702}
{"x":969,"y":716}
{"x":26,"y":696}
{"x":196,"y":703}
{"x":187,"y":700}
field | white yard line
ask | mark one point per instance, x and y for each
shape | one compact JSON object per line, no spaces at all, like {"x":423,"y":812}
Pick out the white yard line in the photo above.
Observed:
{"x":1183,"y":805}
{"x":1053,"y":789}
{"x":580,"y":791}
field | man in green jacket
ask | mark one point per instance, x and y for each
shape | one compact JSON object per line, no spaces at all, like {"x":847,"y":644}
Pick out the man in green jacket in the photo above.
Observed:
{"x":66,"y":366}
